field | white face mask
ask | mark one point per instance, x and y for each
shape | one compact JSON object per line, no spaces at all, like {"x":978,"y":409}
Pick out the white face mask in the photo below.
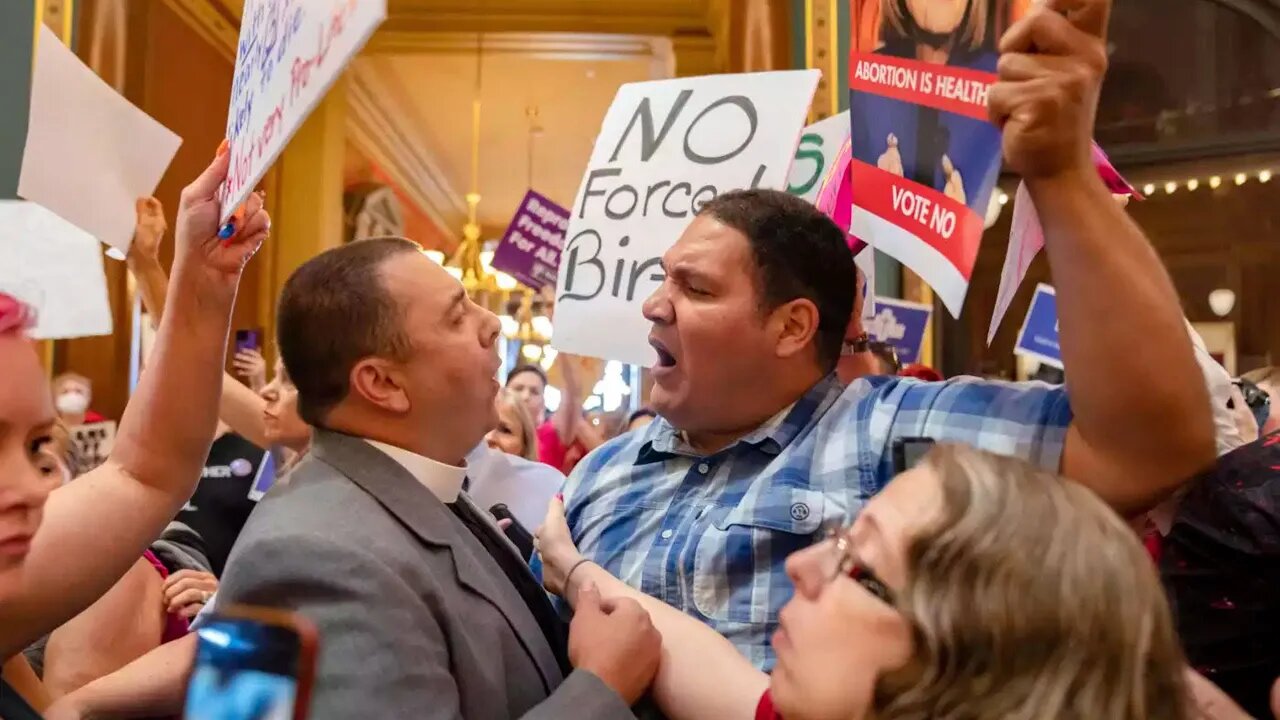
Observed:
{"x":71,"y":402}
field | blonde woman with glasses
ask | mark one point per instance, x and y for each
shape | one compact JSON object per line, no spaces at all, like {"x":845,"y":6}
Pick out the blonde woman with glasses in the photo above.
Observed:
{"x":973,"y":586}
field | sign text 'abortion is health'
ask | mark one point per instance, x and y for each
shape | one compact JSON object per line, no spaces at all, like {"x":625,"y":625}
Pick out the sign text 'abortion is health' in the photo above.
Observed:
{"x":665,"y":149}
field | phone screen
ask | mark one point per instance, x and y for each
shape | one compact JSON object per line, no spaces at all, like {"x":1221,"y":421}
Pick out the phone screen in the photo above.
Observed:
{"x":248,"y":340}
{"x":245,"y":670}
{"x":909,"y":451}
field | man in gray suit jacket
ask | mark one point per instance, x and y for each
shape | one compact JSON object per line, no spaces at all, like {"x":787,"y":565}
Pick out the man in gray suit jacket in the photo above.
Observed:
{"x":424,"y":609}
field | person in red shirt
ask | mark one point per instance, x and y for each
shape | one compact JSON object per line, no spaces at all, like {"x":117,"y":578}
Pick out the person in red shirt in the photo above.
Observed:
{"x":564,"y":439}
{"x":930,"y":605}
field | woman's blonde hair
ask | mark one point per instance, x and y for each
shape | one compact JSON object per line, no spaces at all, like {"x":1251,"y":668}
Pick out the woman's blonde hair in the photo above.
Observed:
{"x":528,"y":433}
{"x":972,"y":36}
{"x":1029,"y":598}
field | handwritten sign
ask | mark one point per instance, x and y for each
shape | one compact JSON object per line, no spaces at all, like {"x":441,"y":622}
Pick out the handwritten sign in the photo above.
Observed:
{"x":56,"y":268}
{"x":93,"y":443}
{"x":530,"y":249}
{"x":1038,"y":338}
{"x":925,"y":157}
{"x":90,"y":153}
{"x":815,"y":157}
{"x":665,"y":148}
{"x":900,"y":324}
{"x":290,"y":52}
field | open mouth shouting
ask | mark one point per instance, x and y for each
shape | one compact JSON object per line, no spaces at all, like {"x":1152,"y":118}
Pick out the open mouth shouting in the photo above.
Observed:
{"x":666,"y":364}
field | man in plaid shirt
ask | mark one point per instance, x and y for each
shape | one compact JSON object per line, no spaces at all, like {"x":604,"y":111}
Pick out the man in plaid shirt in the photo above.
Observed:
{"x":758,"y":448}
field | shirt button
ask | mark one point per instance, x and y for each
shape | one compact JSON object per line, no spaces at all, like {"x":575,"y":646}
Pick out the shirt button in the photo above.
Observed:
{"x":666,"y":534}
{"x":704,"y":468}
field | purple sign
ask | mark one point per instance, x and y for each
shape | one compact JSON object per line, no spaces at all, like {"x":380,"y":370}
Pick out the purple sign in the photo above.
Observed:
{"x":530,"y":249}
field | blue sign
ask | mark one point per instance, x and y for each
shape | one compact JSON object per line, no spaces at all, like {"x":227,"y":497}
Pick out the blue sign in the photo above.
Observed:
{"x":1039,"y":336}
{"x":902,"y":325}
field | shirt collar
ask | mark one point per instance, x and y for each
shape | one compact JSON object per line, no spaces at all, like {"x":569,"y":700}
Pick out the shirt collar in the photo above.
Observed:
{"x":444,"y":481}
{"x":771,"y":437}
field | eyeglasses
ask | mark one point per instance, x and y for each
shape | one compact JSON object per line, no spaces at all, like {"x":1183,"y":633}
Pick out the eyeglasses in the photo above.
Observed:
{"x":883,"y":350}
{"x":849,"y":565}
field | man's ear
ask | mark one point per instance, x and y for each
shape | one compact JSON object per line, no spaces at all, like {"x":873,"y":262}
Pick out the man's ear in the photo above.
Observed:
{"x":794,"y":326}
{"x":380,"y":383}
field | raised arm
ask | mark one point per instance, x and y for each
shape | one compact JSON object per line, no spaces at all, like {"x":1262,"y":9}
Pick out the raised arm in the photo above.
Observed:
{"x":238,"y":406}
{"x":163,"y":437}
{"x":567,"y":418}
{"x":701,"y":674}
{"x":1142,"y":422}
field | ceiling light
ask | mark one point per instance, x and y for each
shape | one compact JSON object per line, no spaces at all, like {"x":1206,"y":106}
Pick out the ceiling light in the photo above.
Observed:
{"x":1192,"y":184}
{"x":531,"y":352}
{"x":1264,"y":176}
{"x":505,"y":281}
{"x":1148,"y":189}
{"x":1241,"y":178}
{"x":1170,"y":187}
{"x":1221,"y":301}
{"x":1214,"y":182}
{"x":542,"y":325}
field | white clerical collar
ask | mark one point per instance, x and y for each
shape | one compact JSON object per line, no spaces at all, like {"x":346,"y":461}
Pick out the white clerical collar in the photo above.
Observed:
{"x":444,"y":481}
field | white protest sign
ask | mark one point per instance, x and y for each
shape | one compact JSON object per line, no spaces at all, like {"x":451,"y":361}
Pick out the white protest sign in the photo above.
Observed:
{"x":56,"y":268}
{"x":290,"y":52}
{"x":819,"y":145}
{"x":90,"y":154}
{"x":93,"y":443}
{"x":665,"y":148}
{"x":865,"y":261}
{"x":1026,"y":239}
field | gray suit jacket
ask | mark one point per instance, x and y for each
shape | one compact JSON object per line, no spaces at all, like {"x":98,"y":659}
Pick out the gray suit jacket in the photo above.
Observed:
{"x":415,"y":618}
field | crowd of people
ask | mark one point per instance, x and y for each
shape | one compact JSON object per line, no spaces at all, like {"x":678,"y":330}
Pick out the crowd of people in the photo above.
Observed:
{"x":749,"y":545}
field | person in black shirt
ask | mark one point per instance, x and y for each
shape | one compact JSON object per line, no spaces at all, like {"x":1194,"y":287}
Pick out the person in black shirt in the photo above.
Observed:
{"x":230,"y":484}
{"x":1220,"y":564}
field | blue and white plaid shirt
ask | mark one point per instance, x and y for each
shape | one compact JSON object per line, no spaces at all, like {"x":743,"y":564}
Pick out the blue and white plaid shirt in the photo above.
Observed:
{"x":709,"y":535}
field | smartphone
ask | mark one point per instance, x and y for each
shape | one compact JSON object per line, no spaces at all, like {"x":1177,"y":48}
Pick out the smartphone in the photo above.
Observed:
{"x":908,"y":451}
{"x":248,"y":340}
{"x":518,"y":534}
{"x":252,"y":664}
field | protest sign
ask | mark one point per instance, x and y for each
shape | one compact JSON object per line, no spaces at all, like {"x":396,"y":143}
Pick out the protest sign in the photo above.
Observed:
{"x":56,"y":268}
{"x":265,"y":478}
{"x":1038,"y":338}
{"x":925,"y":158}
{"x":665,"y":148}
{"x":815,"y":157}
{"x":900,"y":324}
{"x":865,"y":260}
{"x":530,"y":249}
{"x":93,"y":443}
{"x":289,"y":53}
{"x":90,"y":154}
{"x":1026,"y":237}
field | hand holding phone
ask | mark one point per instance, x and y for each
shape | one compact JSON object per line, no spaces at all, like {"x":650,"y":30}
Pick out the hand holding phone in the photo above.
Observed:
{"x":252,"y":664}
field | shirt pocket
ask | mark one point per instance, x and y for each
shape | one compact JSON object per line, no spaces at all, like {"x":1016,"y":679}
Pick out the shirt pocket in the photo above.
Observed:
{"x":739,"y":562}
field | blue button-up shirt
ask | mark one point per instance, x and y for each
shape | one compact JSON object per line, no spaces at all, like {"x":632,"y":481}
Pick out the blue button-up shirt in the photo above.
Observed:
{"x":709,"y":534}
